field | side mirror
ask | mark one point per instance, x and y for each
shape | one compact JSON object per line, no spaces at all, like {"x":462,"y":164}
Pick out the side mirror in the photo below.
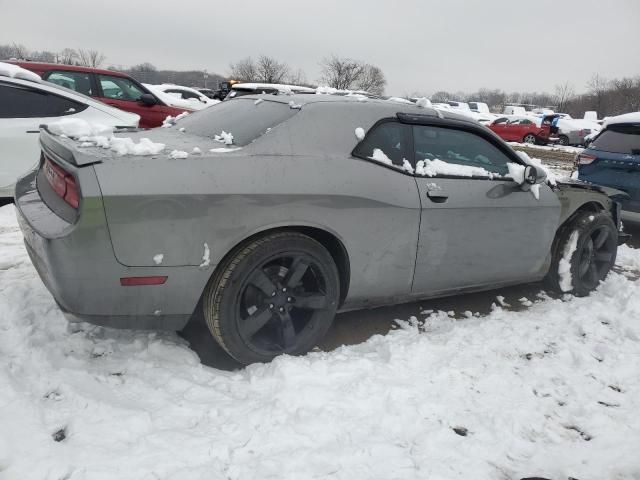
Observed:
{"x":534,"y":175}
{"x":148,"y":99}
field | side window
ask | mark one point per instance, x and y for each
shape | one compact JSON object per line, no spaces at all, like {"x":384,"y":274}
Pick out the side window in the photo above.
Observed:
{"x":19,"y":102}
{"x":119,"y":88}
{"x":78,"y":81}
{"x":387,"y":142}
{"x":501,"y":121}
{"x":457,"y":147}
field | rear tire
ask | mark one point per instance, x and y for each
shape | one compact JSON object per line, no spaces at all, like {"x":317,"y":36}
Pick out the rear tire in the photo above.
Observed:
{"x":563,"y":140}
{"x":530,"y":138}
{"x":584,"y":252}
{"x":273,"y":295}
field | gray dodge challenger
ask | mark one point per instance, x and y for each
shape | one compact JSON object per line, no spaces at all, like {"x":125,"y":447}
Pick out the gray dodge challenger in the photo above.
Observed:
{"x":272,"y":213}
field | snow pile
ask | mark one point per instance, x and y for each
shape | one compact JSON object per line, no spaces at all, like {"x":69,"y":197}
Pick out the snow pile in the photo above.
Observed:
{"x":206,"y":257}
{"x":157,"y":259}
{"x":431,"y":168}
{"x":564,"y":266}
{"x":551,"y":391}
{"x":77,"y":128}
{"x":379,"y":156}
{"x":14,"y":71}
{"x":175,"y":100}
{"x":224,"y":137}
{"x":171,"y":121}
{"x":359,"y":133}
{"x":400,"y":100}
{"x":423,"y":102}
{"x":294,"y":105}
{"x":97,"y":135}
{"x":178,"y":154}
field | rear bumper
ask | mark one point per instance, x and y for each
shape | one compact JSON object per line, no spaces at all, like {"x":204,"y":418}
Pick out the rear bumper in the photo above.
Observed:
{"x":77,"y":265}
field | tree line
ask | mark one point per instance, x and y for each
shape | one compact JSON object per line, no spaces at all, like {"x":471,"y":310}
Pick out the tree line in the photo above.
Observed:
{"x":606,"y":96}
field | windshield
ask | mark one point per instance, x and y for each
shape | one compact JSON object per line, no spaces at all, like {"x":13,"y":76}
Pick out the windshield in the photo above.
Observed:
{"x":245,"y":118}
{"x":619,"y":139}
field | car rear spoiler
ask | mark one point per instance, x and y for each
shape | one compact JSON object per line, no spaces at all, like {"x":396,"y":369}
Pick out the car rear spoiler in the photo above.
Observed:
{"x":66,"y":149}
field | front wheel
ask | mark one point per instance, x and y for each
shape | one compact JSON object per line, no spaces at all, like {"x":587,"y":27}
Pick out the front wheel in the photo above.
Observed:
{"x":277,"y":294}
{"x":563,"y":140}
{"x":584,"y":252}
{"x":530,"y":139}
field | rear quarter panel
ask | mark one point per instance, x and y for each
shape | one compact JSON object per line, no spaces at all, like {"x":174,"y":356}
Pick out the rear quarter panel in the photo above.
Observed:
{"x":222,"y":199}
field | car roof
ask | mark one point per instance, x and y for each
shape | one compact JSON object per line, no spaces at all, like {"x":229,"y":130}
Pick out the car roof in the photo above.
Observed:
{"x":43,"y":66}
{"x":65,"y":92}
{"x":392,"y":106}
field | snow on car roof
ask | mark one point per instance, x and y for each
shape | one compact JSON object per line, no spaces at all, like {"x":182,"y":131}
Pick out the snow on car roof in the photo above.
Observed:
{"x":271,"y":86}
{"x":632,"y":117}
{"x":14,"y":71}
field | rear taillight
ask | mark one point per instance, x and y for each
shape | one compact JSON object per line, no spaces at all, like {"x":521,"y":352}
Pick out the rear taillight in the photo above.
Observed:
{"x":62,"y":183}
{"x":581,"y":133}
{"x":584,"y":159}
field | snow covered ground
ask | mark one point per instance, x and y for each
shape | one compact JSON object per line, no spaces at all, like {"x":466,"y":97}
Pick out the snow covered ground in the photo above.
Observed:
{"x":551,"y":388}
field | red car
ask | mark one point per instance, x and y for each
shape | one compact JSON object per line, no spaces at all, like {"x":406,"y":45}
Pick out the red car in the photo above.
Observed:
{"x":523,"y":129}
{"x":114,"y":88}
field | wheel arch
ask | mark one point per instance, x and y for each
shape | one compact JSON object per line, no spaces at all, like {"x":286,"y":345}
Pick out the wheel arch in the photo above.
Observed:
{"x":329,"y":240}
{"x":590,"y":206}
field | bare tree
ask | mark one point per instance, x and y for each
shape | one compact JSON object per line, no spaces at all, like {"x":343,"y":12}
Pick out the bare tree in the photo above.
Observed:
{"x":597,"y":86}
{"x":15,"y":50}
{"x":564,"y":93}
{"x":297,"y":77}
{"x":43,"y":56}
{"x":440,"y":96}
{"x":144,"y":67}
{"x":372,"y":80}
{"x":269,"y":70}
{"x":90,"y":58}
{"x":244,"y":70}
{"x":68,"y":56}
{"x":341,"y":73}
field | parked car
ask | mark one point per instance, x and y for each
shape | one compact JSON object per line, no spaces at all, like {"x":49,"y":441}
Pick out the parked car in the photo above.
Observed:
{"x":208,"y":92}
{"x":479,"y":107}
{"x":113,"y":88}
{"x":514,"y":110}
{"x":613,"y":160}
{"x":181,"y":97}
{"x":525,"y":129}
{"x":240,"y":89}
{"x":574,"y":131}
{"x":260,"y":231}
{"x":27,"y":104}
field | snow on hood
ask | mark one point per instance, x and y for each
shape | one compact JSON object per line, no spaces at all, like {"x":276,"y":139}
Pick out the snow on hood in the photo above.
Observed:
{"x":14,"y":71}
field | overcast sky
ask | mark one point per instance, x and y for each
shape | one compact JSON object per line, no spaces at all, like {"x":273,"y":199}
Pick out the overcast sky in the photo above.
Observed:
{"x":422,"y":46}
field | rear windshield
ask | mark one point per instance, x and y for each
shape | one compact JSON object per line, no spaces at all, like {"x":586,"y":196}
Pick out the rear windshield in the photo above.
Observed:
{"x":245,"y":118}
{"x":619,"y":139}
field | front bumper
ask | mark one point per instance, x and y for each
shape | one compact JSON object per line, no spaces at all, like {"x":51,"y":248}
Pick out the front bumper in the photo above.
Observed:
{"x":77,"y":265}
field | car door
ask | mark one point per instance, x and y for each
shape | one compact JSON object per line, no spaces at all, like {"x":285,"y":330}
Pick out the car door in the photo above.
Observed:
{"x":125,"y":94}
{"x":478,"y":227}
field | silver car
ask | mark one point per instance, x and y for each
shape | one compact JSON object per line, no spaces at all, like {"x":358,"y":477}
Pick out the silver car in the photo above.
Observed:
{"x":306,"y":205}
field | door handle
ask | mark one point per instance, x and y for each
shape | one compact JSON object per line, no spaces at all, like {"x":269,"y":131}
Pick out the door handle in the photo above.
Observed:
{"x":436,"y":194}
